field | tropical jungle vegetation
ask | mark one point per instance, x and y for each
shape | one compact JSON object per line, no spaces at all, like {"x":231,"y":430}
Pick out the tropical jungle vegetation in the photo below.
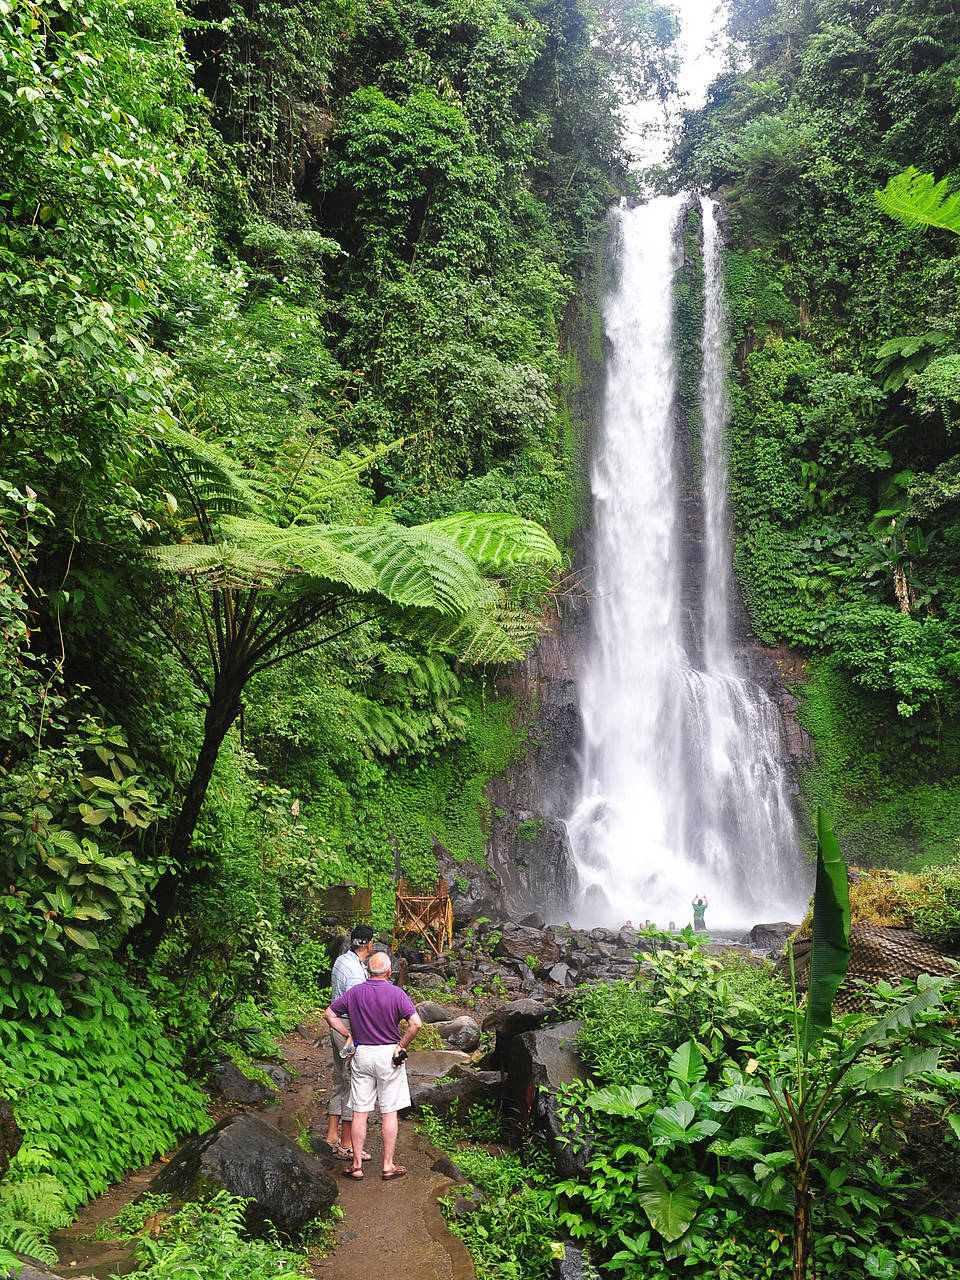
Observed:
{"x":298,"y":302}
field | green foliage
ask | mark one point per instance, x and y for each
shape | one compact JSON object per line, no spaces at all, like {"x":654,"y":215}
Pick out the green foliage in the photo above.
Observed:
{"x":208,"y":1239}
{"x":936,"y":915}
{"x":69,"y":832}
{"x":32,"y":1204}
{"x":914,"y":199}
{"x":103,"y":1066}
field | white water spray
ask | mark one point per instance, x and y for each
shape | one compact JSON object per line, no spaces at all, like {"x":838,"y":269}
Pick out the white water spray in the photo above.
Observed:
{"x":682,"y":789}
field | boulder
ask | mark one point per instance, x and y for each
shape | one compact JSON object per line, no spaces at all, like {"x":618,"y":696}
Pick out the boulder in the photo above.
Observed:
{"x":572,"y":1264}
{"x":517,"y":943}
{"x":456,"y":1094}
{"x":459,"y":1033}
{"x":229,"y":1082}
{"x":281,"y":1077}
{"x":533,"y":921}
{"x":431,"y":1012}
{"x":34,"y":1269}
{"x":434,"y":1063}
{"x":508,"y":1021}
{"x":248,"y":1157}
{"x":562,"y":975}
{"x":771,"y":937}
{"x":540,"y":1061}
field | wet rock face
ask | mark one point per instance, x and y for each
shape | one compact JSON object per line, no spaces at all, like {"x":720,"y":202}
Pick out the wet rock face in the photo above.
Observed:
{"x":538,"y":1063}
{"x":229,"y":1082}
{"x":249,"y":1157}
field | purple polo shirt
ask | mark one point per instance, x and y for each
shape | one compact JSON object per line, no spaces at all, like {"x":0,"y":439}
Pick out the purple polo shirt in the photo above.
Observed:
{"x":374,"y":1008}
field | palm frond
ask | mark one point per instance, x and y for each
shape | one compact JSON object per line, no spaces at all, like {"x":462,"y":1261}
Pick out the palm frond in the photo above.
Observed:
{"x":222,"y":565}
{"x":495,"y":540}
{"x":916,"y":200}
{"x":415,"y":567}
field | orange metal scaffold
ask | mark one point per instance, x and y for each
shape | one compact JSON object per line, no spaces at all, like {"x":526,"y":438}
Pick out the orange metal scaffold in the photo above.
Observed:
{"x":423,"y":918}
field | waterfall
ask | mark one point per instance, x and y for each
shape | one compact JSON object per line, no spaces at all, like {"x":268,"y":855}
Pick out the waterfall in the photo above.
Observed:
{"x":682,"y":790}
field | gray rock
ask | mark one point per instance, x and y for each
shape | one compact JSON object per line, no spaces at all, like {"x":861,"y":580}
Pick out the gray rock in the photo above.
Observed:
{"x":434,"y":1063}
{"x":533,"y":921}
{"x":456,"y":1094}
{"x":771,"y":937}
{"x":227,"y":1080}
{"x":248,"y":1157}
{"x":509,"y":1021}
{"x":573,"y":1265}
{"x":466,"y":1206}
{"x":449,"y":1170}
{"x":34,"y":1269}
{"x":431,"y":1012}
{"x":281,"y":1077}
{"x":540,"y":1061}
{"x":459,"y":1033}
{"x":561,"y":974}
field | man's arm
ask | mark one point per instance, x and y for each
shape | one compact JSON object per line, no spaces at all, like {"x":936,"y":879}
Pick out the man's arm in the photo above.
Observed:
{"x":334,"y":1020}
{"x":414,"y":1023}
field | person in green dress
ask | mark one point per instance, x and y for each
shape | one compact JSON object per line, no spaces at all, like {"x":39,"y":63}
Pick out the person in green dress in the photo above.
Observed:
{"x":700,"y":905}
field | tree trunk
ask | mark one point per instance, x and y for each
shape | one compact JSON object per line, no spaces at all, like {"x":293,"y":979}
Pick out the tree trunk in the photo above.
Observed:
{"x":802,"y":1227}
{"x":221,"y":713}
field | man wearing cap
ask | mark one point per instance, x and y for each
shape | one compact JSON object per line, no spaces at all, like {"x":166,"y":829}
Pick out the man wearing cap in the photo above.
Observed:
{"x":348,"y":970}
{"x":376,"y":1008}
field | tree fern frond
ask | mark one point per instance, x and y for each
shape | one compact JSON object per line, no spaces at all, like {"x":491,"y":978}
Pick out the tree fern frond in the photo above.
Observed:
{"x":916,"y":200}
{"x":406,"y":566}
{"x":219,"y":566}
{"x":492,"y":631}
{"x":219,"y":483}
{"x":495,"y":540}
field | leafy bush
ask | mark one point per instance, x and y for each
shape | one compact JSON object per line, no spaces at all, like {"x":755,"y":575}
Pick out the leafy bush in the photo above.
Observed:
{"x":99,"y":1088}
{"x":206,"y":1240}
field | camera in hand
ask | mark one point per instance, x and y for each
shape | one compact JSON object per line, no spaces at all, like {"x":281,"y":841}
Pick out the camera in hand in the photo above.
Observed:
{"x":399,"y":1057}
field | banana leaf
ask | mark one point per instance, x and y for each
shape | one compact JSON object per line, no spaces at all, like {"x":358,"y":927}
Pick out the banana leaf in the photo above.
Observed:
{"x":830,"y":951}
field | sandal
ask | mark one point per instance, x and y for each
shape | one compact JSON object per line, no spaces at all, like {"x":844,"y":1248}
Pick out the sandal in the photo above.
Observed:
{"x":346,"y":1153}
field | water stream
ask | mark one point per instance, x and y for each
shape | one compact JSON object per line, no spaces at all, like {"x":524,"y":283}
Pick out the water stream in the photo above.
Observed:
{"x":682,"y":787}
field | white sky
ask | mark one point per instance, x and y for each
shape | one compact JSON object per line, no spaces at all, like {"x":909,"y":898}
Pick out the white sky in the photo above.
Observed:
{"x":701,"y":57}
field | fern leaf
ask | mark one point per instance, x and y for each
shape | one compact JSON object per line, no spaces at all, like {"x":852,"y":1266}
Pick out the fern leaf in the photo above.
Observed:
{"x":219,"y":483}
{"x":495,"y":540}
{"x":407,"y":566}
{"x":914,"y":199}
{"x":219,"y":566}
{"x":493,"y":631}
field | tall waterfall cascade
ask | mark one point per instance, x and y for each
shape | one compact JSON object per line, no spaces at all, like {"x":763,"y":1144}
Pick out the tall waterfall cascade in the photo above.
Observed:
{"x":682,"y":788}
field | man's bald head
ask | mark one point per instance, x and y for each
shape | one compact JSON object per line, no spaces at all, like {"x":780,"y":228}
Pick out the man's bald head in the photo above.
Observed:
{"x":379,"y":964}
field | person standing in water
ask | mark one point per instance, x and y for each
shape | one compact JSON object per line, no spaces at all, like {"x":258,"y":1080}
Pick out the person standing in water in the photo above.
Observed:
{"x":699,"y":904}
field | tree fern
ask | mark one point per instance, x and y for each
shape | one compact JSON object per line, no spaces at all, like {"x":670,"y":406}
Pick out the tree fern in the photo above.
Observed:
{"x":206,"y":472}
{"x":495,"y":540}
{"x":408,"y":566}
{"x":916,"y":200}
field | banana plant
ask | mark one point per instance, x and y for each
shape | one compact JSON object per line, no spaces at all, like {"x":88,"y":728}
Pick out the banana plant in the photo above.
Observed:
{"x":827,"y":1080}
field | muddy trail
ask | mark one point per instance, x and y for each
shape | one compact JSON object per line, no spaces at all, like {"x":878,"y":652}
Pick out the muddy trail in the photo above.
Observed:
{"x":394,"y":1230}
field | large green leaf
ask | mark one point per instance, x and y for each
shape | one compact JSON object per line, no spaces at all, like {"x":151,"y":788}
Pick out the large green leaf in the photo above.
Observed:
{"x":897,"y":1020}
{"x":415,"y":567}
{"x":916,"y":200}
{"x":619,"y":1099}
{"x":686,"y":1063}
{"x":670,"y":1209}
{"x":830,"y":952}
{"x":898,"y":1073}
{"x":495,"y":540}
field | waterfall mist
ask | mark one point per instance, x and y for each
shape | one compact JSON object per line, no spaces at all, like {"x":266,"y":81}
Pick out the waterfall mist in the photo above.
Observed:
{"x":682,"y":789}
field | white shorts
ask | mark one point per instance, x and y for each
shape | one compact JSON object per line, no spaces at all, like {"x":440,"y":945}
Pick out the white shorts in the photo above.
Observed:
{"x":374,"y":1078}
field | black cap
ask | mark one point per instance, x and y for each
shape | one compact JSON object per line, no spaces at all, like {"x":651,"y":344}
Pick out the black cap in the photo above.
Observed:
{"x":360,"y":935}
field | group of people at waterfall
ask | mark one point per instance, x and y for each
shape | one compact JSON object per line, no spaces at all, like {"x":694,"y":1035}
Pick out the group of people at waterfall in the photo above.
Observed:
{"x":699,"y":902}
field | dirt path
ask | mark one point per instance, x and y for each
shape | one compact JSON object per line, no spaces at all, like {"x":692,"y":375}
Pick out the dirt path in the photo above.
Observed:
{"x":391,"y":1230}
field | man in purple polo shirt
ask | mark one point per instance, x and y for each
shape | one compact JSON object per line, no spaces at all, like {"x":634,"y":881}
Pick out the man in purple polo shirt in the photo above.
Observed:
{"x":375,"y":1009}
